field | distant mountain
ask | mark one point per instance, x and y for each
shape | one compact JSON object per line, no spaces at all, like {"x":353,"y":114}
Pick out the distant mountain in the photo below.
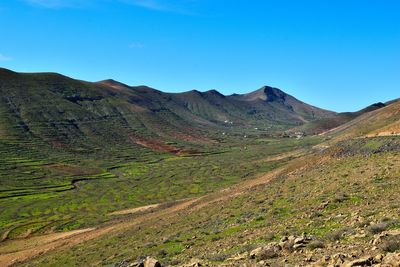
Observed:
{"x":281,"y":106}
{"x":325,"y":124}
{"x":66,"y":112}
{"x":384,"y":121}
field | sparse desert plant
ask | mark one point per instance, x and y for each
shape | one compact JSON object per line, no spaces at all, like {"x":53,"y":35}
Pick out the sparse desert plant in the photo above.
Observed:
{"x":219,"y":257}
{"x":268,"y":253}
{"x":175,"y":262}
{"x":260,"y":218}
{"x":337,"y":234}
{"x":315,"y":214}
{"x":362,"y":224}
{"x":390,"y":244}
{"x":162,"y":253}
{"x":386,"y":220}
{"x":340,"y":198}
{"x":215,"y":238}
{"x":390,"y":221}
{"x":269,"y":236}
{"x":378,"y":228}
{"x":316,"y":244}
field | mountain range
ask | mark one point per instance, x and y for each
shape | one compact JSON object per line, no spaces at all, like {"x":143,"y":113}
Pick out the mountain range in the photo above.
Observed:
{"x":65,"y":112}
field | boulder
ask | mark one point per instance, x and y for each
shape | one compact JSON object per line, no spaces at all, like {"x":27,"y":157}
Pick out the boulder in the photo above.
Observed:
{"x":294,"y":243}
{"x":300,"y":240}
{"x":391,"y":260}
{"x":367,"y":261}
{"x":378,"y":258}
{"x":151,"y":262}
{"x":283,"y":239}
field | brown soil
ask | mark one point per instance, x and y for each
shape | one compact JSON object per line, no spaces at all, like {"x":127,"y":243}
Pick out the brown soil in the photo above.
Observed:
{"x":384,"y":133}
{"x":160,"y":146}
{"x":294,"y":154}
{"x":154,"y":144}
{"x":135,"y":210}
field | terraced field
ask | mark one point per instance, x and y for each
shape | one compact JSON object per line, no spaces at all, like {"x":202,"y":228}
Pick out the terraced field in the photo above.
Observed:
{"x":342,"y":201}
{"x":42,"y":193}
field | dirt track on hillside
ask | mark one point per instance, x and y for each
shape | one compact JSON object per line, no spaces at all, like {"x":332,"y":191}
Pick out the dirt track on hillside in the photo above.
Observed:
{"x":29,"y":248}
{"x":35,"y":246}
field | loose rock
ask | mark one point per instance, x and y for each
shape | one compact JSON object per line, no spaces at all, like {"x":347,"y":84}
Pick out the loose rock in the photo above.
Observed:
{"x":151,"y":262}
{"x":368,"y":261}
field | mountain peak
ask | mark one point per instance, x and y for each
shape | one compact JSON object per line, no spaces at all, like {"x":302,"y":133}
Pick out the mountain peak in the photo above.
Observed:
{"x":214,"y":92}
{"x":274,"y":94}
{"x":266,"y":93}
{"x":371,"y":107}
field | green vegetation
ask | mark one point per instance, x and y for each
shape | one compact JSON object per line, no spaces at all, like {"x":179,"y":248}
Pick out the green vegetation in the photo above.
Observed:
{"x":289,"y":205}
{"x":42,"y":194}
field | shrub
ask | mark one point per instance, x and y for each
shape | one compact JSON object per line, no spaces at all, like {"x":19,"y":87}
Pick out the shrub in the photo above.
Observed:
{"x":260,"y":218}
{"x":175,"y":262}
{"x":336,"y":235}
{"x":162,"y":253}
{"x":316,"y":244}
{"x":268,"y":254}
{"x":217,"y":257}
{"x":269,"y":236}
{"x":247,"y":247}
{"x":378,"y":228}
{"x":340,"y":198}
{"x":390,"y":244}
{"x":216,"y":238}
{"x":362,"y":224}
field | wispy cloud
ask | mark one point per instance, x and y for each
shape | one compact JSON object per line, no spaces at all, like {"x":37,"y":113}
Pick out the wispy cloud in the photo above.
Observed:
{"x":174,"y":6}
{"x":57,"y":3}
{"x":150,"y":4}
{"x":136,"y":45}
{"x":4,"y":58}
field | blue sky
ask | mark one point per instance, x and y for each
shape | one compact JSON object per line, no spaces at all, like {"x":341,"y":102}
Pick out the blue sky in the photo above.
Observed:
{"x":337,"y":54}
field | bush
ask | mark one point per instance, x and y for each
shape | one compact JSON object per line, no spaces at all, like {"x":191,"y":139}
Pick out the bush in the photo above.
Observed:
{"x":378,"y":228}
{"x":217,"y":257}
{"x":175,"y":262}
{"x":362,"y":224}
{"x":247,"y":247}
{"x":390,"y":244}
{"x":336,"y":235}
{"x":162,"y":253}
{"x":269,"y":236}
{"x":315,"y":244}
{"x":216,"y":238}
